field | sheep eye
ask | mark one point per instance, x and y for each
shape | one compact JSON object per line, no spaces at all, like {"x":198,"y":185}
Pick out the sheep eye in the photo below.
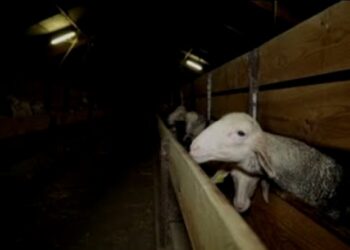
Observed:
{"x":240,"y":133}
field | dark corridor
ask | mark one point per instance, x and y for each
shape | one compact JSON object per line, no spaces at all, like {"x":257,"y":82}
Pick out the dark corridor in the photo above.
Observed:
{"x":78,"y":187}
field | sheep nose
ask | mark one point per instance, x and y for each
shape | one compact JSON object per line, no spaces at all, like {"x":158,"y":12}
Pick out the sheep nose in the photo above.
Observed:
{"x":241,"y":207}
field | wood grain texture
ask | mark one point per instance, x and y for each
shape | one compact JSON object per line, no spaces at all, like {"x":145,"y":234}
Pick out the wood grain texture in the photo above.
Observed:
{"x":318,"y":114}
{"x":200,"y":85}
{"x":316,"y":46}
{"x":340,"y":229}
{"x":222,"y":105}
{"x":281,"y":226}
{"x":201,"y":106}
{"x":232,"y":103}
{"x":231,"y":75}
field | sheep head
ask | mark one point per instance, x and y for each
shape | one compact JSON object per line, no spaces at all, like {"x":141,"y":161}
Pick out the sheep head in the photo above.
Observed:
{"x":236,"y":137}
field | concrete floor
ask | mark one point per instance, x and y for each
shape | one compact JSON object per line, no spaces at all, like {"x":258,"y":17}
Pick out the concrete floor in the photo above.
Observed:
{"x":124,"y":217}
{"x":85,"y":198}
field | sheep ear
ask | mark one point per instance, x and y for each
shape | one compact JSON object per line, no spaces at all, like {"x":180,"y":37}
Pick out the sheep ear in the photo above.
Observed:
{"x":265,"y":186}
{"x":265,"y":162}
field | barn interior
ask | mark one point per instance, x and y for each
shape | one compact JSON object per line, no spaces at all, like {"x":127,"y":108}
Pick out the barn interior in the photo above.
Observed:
{"x":78,"y":172}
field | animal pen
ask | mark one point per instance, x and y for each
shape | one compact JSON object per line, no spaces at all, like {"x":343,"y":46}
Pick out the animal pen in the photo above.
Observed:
{"x":298,"y":85}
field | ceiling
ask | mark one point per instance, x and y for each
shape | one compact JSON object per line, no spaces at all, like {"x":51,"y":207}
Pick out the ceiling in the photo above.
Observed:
{"x":147,"y":35}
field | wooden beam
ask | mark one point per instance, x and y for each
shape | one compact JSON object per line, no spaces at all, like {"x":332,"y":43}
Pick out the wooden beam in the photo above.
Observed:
{"x":318,"y":114}
{"x":210,"y":219}
{"x":201,"y":106}
{"x":231,"y":75}
{"x":11,"y":127}
{"x":281,"y":226}
{"x":236,"y":75}
{"x":233,"y":103}
{"x":224,"y":104}
{"x":316,"y":46}
{"x":200,"y":85}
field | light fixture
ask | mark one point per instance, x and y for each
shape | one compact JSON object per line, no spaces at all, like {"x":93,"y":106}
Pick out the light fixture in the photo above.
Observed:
{"x":194,"y":57}
{"x":193,"y":65}
{"x":63,"y":38}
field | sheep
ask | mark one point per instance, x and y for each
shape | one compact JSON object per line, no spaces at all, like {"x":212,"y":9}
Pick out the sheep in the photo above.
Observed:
{"x":185,"y":125}
{"x":179,"y":114}
{"x":293,"y":165}
{"x":38,"y":108}
{"x":195,"y":124}
{"x":20,"y":108}
{"x":245,"y":186}
{"x":176,"y":122}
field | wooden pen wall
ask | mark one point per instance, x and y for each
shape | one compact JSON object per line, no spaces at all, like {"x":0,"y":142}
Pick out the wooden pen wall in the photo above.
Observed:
{"x":303,"y":76}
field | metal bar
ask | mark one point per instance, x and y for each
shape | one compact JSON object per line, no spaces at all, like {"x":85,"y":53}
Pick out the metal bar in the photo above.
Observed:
{"x":64,"y":13}
{"x":253,"y":58}
{"x":69,"y":50}
{"x":209,"y":87}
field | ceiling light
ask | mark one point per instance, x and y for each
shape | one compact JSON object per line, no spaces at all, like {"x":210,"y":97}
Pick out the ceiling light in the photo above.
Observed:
{"x":193,"y":65}
{"x":194,"y":57}
{"x":63,"y":38}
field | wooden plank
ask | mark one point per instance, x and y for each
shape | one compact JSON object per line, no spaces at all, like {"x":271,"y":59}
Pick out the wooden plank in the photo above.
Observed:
{"x":318,"y":114}
{"x":188,"y":95}
{"x":19,"y":126}
{"x":232,"y":75}
{"x":224,"y":104}
{"x":338,"y":229}
{"x":201,"y":106}
{"x":236,"y":75}
{"x":281,"y":226}
{"x":187,"y":91}
{"x":210,"y":219}
{"x":316,"y":46}
{"x":200,"y":85}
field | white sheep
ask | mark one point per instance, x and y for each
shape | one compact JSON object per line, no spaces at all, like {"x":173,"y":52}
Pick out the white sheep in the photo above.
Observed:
{"x":179,"y":114}
{"x":20,"y":108}
{"x":294,"y":166}
{"x":195,"y":124}
{"x":245,"y":186}
{"x":176,"y":122}
{"x":38,"y":108}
